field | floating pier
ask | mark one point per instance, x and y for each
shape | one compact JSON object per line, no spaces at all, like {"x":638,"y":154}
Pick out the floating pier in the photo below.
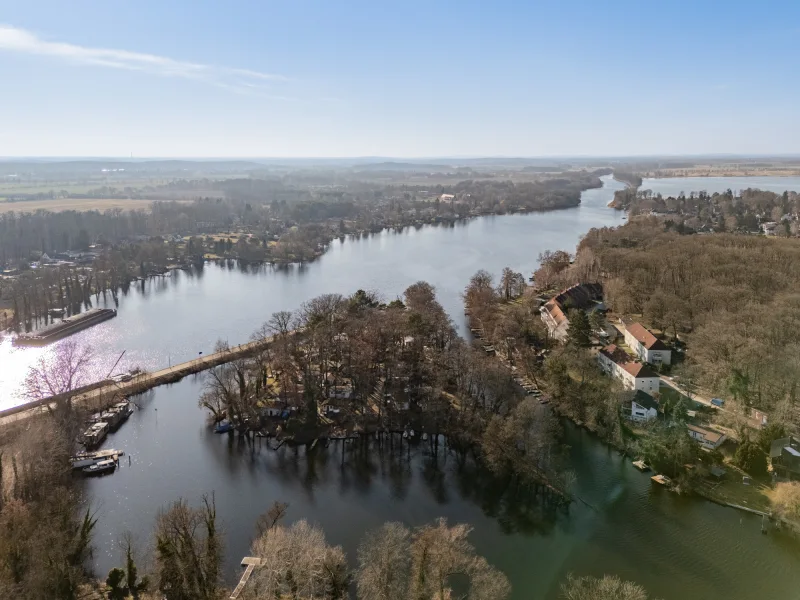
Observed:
{"x":67,"y":327}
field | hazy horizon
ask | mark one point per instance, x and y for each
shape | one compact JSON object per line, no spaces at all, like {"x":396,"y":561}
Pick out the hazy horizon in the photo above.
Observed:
{"x":416,"y":80}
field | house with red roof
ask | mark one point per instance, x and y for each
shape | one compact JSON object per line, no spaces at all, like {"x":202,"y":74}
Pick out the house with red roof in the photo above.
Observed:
{"x":647,"y":347}
{"x":633,"y":375}
{"x":583,"y":296}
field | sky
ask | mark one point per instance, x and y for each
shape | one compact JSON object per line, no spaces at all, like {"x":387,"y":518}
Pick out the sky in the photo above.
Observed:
{"x":302,"y":78}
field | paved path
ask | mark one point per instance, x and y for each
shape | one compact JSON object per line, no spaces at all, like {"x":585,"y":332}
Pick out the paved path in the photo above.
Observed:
{"x":108,"y":394}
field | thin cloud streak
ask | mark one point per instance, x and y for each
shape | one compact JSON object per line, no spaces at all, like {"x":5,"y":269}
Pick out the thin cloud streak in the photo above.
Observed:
{"x":14,"y":39}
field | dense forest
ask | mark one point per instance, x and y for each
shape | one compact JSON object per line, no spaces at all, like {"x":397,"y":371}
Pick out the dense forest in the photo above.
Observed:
{"x":726,"y":212}
{"x":271,"y":206}
{"x":632,"y":179}
{"x":734,"y":300}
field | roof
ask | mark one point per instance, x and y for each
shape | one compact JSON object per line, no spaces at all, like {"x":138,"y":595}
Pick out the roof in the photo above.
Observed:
{"x":639,"y":370}
{"x":777,"y":446}
{"x":646,"y":338}
{"x":615,"y":353}
{"x":555,"y":311}
{"x":708,"y":434}
{"x":582,"y":296}
{"x":646,"y":400}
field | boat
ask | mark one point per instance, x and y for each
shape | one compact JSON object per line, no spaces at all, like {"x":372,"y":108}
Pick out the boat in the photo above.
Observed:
{"x":86,"y":459}
{"x":424,"y":437}
{"x":223,"y":427}
{"x":662,"y":479}
{"x":104,"y":466}
{"x":96,"y":433}
{"x":641,"y":465}
{"x":64,"y":328}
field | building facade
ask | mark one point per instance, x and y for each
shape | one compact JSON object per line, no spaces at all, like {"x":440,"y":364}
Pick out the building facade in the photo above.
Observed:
{"x":647,"y":347}
{"x":633,"y":375}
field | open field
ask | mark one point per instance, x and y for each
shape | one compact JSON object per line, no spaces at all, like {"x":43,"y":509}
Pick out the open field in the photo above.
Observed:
{"x":61,"y":204}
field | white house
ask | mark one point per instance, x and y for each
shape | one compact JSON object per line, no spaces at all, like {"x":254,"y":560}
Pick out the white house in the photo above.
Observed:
{"x":634,"y":375}
{"x":643,"y":407}
{"x":647,"y":347}
{"x":707,"y":438}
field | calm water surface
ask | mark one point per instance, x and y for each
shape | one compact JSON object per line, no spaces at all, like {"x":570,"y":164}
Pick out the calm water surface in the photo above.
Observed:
{"x":680,"y":549}
{"x":169,"y":320}
{"x":673,"y":186}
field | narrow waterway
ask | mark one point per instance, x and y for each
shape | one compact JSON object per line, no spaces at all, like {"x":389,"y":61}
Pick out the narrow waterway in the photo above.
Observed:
{"x":679,"y":548}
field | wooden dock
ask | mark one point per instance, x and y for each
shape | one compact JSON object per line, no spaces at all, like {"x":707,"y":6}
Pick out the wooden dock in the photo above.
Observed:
{"x":662,"y":480}
{"x":250,"y":563}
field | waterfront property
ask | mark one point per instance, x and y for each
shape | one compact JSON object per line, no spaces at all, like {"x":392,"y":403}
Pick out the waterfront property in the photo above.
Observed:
{"x":785,"y":456}
{"x":640,"y":406}
{"x":647,"y":347}
{"x":707,"y":438}
{"x":583,"y":296}
{"x":633,"y":375}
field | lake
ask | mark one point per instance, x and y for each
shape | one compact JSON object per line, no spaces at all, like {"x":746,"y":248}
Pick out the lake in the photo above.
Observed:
{"x":168,"y":320}
{"x":673,"y":186}
{"x":679,"y":548}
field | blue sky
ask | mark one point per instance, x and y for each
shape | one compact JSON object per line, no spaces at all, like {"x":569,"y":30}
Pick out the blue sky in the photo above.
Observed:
{"x":404,"y":79}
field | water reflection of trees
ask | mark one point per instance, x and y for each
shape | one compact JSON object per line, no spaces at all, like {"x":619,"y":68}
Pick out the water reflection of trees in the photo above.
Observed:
{"x":364,"y":467}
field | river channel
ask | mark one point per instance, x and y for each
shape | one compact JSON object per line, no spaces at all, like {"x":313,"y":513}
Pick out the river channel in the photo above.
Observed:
{"x":678,"y":548}
{"x":168,"y":320}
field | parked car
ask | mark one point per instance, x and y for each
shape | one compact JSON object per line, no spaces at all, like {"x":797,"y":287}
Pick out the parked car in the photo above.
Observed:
{"x":717,"y":401}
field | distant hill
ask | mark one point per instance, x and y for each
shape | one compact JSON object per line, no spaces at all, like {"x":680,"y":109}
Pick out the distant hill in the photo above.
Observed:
{"x":404,"y":166}
{"x":90,"y":167}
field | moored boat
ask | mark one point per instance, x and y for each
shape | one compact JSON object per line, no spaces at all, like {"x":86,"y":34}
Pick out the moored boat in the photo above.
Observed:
{"x":96,"y":433}
{"x":103,"y":466}
{"x":223,"y":427}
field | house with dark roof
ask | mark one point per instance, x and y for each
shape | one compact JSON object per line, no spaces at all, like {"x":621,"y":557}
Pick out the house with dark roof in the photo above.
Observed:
{"x":639,"y":406}
{"x":785,"y":456}
{"x":583,"y":296}
{"x":633,"y":375}
{"x":647,"y":347}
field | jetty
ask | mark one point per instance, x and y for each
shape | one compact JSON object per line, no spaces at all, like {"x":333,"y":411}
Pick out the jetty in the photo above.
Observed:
{"x":662,"y":479}
{"x":65,"y":328}
{"x":250,"y":563}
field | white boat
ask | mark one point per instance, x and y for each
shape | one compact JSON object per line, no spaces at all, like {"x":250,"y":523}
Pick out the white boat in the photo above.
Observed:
{"x":86,"y":459}
{"x":104,"y":466}
{"x":424,"y":437}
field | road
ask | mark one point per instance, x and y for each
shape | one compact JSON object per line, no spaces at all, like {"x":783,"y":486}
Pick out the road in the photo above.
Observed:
{"x":112,"y":392}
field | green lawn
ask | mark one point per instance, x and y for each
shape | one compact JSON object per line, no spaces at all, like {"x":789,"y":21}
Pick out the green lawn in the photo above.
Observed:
{"x":732,"y":491}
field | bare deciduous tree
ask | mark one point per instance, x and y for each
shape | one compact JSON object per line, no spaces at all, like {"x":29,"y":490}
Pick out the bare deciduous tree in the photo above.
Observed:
{"x":438,"y":553}
{"x":297,"y":563}
{"x":189,"y":551}
{"x":607,"y":588}
{"x":66,"y":370}
{"x":384,"y":563}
